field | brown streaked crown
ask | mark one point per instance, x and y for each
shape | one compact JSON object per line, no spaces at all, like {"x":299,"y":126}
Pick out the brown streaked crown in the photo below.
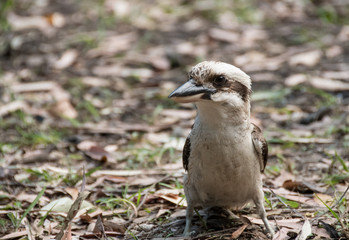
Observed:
{"x":223,"y":77}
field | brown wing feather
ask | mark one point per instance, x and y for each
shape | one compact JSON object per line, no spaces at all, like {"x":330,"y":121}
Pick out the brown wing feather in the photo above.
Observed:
{"x":186,"y":153}
{"x":260,"y":146}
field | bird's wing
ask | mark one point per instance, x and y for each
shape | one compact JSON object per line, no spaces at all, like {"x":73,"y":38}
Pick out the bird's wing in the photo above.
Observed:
{"x":260,"y":146}
{"x":186,"y":153}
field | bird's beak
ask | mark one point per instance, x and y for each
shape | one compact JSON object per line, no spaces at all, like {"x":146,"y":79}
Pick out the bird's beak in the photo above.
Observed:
{"x":190,"y":92}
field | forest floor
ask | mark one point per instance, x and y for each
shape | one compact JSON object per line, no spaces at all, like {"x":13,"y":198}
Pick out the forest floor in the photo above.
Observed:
{"x":86,"y":122}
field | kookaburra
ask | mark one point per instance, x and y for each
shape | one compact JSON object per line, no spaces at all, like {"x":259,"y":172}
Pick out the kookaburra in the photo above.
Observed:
{"x":225,"y":154}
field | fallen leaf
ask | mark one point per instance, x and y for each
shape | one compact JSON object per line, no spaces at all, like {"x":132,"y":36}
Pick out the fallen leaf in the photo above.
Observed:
{"x":307,"y":140}
{"x":23,"y":196}
{"x":20,"y":23}
{"x":178,"y":113}
{"x":95,"y":82}
{"x":308,"y":59}
{"x":112,"y":45}
{"x":11,"y":107}
{"x":172,"y":195}
{"x":56,"y":19}
{"x":63,"y":205}
{"x":342,"y":75}
{"x":296,"y":79}
{"x":324,"y":197}
{"x":238,"y":232}
{"x":126,"y":173}
{"x":329,"y":84}
{"x":98,"y":153}
{"x":99,"y":227}
{"x":34,"y":86}
{"x":111,"y":225}
{"x":14,"y":235}
{"x":143,"y":181}
{"x":223,"y":35}
{"x":281,"y":234}
{"x":284,"y":176}
{"x":305,"y":232}
{"x":73,"y":192}
{"x":296,"y":186}
{"x":334,"y":51}
{"x":343,"y":35}
{"x":65,"y":109}
{"x":66,"y":60}
{"x":249,"y":57}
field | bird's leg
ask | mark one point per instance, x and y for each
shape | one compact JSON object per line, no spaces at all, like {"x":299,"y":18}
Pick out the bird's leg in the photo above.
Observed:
{"x":262,"y":213}
{"x":206,"y":214}
{"x":231,"y":214}
{"x":189,"y":218}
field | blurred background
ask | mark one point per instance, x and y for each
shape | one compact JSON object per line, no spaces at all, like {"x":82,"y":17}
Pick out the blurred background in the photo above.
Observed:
{"x":85,"y":84}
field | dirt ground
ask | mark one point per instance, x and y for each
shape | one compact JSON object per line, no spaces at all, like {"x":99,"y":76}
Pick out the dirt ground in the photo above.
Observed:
{"x":90,"y":144}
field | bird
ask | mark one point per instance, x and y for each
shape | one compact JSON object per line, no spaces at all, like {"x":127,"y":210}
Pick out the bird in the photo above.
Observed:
{"x":225,"y":154}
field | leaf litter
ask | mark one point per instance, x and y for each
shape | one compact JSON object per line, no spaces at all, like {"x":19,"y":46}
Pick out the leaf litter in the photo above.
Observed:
{"x":85,"y":85}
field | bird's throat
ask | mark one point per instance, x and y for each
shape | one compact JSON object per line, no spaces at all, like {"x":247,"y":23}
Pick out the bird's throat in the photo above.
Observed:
{"x":215,"y":117}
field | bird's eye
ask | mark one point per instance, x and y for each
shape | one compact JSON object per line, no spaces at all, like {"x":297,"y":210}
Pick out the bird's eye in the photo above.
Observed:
{"x":219,"y":81}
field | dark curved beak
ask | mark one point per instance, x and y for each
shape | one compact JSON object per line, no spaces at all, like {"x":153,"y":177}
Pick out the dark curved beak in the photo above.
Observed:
{"x":190,"y":92}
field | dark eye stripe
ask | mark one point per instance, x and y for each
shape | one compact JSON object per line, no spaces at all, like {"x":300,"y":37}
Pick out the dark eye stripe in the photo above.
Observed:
{"x":241,"y":89}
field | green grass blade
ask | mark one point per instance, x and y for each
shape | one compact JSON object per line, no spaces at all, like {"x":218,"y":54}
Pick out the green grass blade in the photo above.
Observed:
{"x":32,"y":205}
{"x":329,"y":209}
{"x":340,"y":159}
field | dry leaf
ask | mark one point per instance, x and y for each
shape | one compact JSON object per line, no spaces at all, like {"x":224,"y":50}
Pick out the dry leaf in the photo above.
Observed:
{"x":172,"y":195}
{"x":308,"y":59}
{"x":143,"y":181}
{"x":63,"y":205}
{"x":95,"y":82}
{"x":324,"y":197}
{"x":66,"y":60}
{"x":281,"y":234}
{"x":20,"y":23}
{"x":178,"y":113}
{"x":14,"y":235}
{"x":238,"y":232}
{"x":34,"y":86}
{"x":249,"y":57}
{"x":296,"y":79}
{"x":99,"y":227}
{"x":329,"y":84}
{"x":307,"y":140}
{"x":112,"y":45}
{"x":284,"y":176}
{"x":305,"y":232}
{"x":223,"y":35}
{"x":73,"y":192}
{"x":23,"y":196}
{"x":296,"y":186}
{"x":334,"y":51}
{"x":12,"y":106}
{"x":98,"y":153}
{"x":342,"y":75}
{"x":56,"y":19}
{"x":65,"y":109}
{"x":343,"y":35}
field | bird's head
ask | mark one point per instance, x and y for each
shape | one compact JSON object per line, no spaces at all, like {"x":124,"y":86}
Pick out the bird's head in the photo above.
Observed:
{"x":215,"y":82}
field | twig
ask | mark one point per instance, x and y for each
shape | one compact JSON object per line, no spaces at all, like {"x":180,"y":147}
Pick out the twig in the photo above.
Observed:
{"x":286,"y":205}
